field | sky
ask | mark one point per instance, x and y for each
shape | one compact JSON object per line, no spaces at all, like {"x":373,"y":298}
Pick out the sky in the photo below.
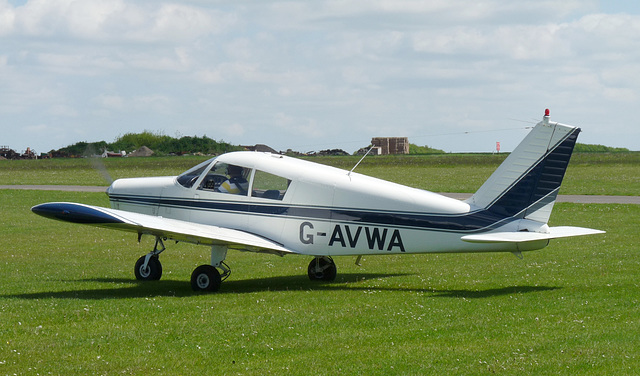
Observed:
{"x":311,"y":75}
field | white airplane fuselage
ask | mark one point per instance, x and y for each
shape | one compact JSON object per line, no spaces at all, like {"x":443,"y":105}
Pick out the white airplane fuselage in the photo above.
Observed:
{"x":262,"y":202}
{"x":325,"y":211}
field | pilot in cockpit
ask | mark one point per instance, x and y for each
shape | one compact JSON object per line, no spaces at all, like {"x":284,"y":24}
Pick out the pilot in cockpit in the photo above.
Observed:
{"x":236,"y":184}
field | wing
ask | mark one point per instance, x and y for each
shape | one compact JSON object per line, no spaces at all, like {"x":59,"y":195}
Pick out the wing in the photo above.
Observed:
{"x":157,"y":226}
{"x":524,"y":237}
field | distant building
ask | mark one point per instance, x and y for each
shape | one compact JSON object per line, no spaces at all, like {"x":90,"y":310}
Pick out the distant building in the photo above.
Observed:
{"x":141,"y":152}
{"x":391,"y":145}
{"x":111,"y":154}
{"x":8,"y":153}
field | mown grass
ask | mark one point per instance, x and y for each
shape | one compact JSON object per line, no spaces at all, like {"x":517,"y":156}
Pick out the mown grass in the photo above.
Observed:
{"x":69,"y":304}
{"x":588,"y":173}
{"x":598,"y":173}
{"x":90,"y":171}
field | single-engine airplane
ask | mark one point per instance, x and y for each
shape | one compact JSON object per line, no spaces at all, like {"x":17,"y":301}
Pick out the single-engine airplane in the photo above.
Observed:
{"x":262,"y":202}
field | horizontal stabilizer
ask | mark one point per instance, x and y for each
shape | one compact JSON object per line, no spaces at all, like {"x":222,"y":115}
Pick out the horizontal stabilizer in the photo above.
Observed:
{"x":524,"y":237}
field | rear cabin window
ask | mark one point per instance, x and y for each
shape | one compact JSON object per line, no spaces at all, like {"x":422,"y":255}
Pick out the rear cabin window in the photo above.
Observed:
{"x":269,"y":186}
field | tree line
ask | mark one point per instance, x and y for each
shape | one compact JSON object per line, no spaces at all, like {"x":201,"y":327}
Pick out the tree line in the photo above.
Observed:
{"x":167,"y":145}
{"x":160,"y":144}
{"x":591,"y":148}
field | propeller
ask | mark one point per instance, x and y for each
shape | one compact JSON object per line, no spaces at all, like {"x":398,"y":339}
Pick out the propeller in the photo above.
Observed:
{"x":97,"y":164}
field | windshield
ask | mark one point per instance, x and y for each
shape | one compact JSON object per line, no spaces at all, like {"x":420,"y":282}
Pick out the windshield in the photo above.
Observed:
{"x":189,"y":177}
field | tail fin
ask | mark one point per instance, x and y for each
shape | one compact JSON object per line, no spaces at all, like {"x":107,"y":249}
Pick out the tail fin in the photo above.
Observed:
{"x":527,"y":183}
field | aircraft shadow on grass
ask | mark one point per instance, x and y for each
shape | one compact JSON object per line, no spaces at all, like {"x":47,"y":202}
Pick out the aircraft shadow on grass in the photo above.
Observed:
{"x":127,"y":288}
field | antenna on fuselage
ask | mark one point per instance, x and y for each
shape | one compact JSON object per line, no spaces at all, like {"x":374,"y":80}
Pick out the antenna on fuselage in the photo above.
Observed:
{"x":361,"y":159}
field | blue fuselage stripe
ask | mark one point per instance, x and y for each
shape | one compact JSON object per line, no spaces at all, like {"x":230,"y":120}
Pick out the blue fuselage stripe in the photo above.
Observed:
{"x":464,"y":222}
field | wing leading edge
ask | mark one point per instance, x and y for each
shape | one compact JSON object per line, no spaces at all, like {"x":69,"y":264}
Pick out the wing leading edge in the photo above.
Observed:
{"x":157,"y":226}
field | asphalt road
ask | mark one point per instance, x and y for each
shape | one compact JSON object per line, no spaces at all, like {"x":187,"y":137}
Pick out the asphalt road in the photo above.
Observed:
{"x":66,"y":188}
{"x":580,"y":199}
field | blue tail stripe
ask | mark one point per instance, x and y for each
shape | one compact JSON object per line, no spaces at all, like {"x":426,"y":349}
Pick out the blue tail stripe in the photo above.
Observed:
{"x":540,"y":181}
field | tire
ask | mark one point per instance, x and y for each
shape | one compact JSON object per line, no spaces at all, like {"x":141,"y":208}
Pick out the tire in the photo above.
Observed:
{"x":206,"y":278}
{"x":153,"y":272}
{"x":322,"y":269}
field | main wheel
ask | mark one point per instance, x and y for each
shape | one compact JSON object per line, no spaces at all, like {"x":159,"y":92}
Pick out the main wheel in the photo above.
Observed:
{"x":152,"y":272}
{"x":322,"y":269}
{"x":206,"y":278}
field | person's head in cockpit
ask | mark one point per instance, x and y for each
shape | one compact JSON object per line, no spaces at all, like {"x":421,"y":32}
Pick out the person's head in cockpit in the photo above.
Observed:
{"x":236,"y":184}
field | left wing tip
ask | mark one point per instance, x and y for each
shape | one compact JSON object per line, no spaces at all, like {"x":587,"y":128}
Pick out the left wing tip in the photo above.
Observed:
{"x":75,"y":213}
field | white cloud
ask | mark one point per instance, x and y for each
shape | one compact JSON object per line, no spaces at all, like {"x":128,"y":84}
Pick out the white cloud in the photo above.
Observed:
{"x":155,"y":103}
{"x":622,"y":94}
{"x":317,"y":72}
{"x":171,"y":59}
{"x":234,"y":130}
{"x":451,"y":41}
{"x":7,"y":18}
{"x":37,"y":128}
{"x":113,"y":20}
{"x":63,"y":110}
{"x":231,"y":72}
{"x":602,"y":35}
{"x":173,"y":21}
{"x":86,"y":63}
{"x":307,"y":127}
{"x":240,"y":49}
{"x":111,"y":102}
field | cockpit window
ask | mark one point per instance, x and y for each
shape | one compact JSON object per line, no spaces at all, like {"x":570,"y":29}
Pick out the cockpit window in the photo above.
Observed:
{"x":188,"y":178}
{"x":269,"y":186}
{"x":234,"y":179}
{"x":227,"y":178}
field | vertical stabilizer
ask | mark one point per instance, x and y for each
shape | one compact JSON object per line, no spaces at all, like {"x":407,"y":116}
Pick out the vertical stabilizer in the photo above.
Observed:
{"x":527,"y":183}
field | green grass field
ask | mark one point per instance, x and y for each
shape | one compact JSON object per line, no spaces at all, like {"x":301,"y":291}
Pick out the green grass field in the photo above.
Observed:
{"x":598,"y":173}
{"x":69,"y":303}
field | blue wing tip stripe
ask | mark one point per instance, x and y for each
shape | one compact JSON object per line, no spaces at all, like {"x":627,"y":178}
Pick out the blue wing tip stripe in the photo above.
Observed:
{"x":75,"y":213}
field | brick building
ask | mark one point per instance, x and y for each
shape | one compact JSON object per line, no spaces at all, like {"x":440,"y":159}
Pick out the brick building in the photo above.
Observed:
{"x":391,"y":145}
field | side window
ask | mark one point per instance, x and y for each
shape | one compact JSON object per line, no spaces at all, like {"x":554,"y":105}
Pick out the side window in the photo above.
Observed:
{"x":226,"y":178}
{"x":270,"y":186}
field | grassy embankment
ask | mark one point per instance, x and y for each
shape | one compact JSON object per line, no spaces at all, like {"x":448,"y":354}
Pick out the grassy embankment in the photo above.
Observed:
{"x":70,"y":305}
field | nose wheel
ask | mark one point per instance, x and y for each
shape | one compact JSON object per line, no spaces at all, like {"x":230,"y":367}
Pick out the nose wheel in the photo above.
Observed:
{"x":148,"y":267}
{"x":152,"y":271}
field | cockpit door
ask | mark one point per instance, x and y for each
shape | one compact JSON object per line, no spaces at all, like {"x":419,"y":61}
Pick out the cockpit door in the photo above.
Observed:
{"x":221,"y":196}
